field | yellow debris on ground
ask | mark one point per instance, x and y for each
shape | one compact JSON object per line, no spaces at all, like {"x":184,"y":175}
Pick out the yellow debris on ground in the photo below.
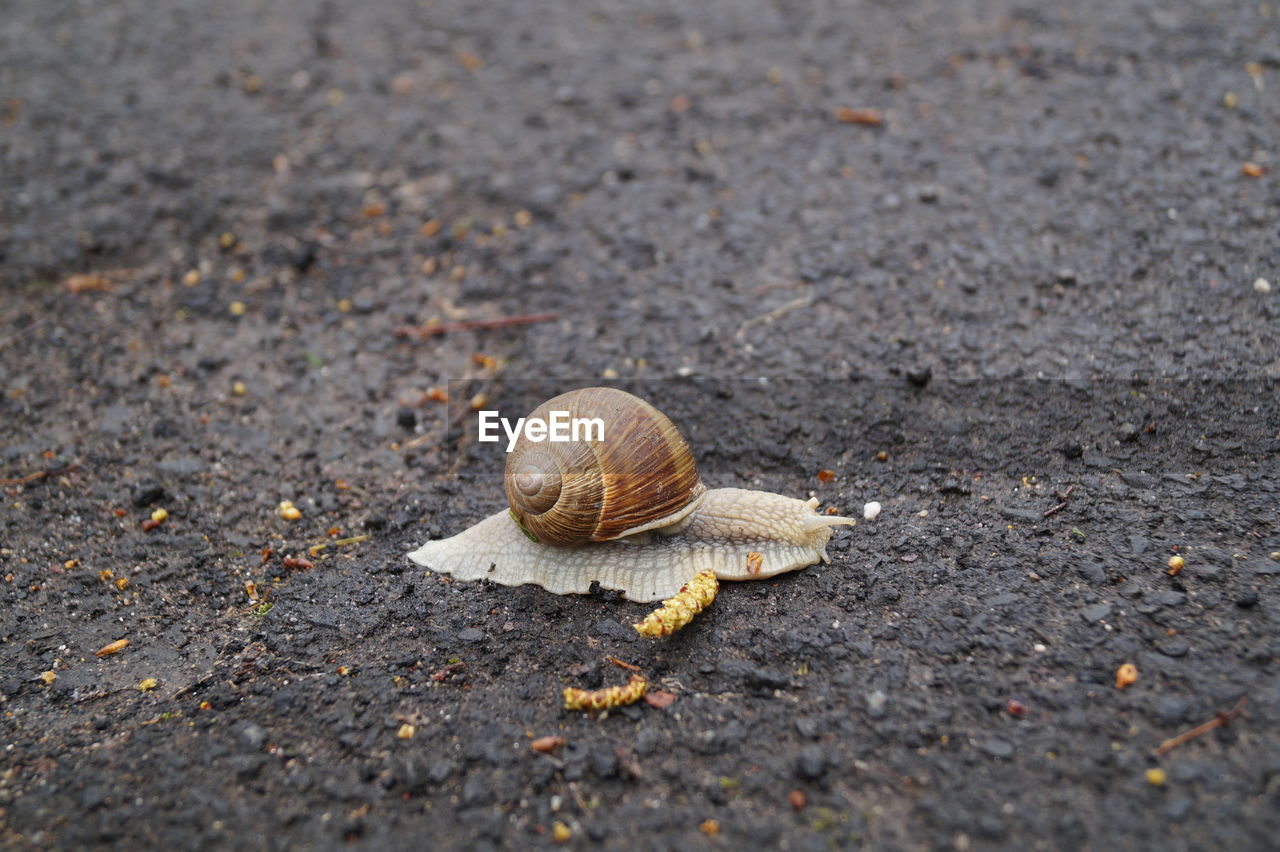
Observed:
{"x":695,"y":596}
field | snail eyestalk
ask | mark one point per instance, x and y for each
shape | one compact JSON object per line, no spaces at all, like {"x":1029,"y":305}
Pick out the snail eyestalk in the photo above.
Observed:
{"x":695,"y":596}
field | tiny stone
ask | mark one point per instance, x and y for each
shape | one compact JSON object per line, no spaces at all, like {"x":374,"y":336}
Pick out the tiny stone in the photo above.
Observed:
{"x":807,"y":727}
{"x":998,"y":749}
{"x":920,"y":376}
{"x":1096,"y":612}
{"x":1262,"y":285}
{"x":471,"y":634}
{"x":604,"y":764}
{"x":1173,"y":648}
{"x":1094,"y":572}
{"x":1178,"y":808}
{"x":871,"y":510}
{"x":253,"y":736}
{"x":1172,"y":709}
{"x":929,"y":193}
{"x":811,"y":763}
{"x":146,"y":492}
{"x":1247,"y":599}
{"x":876,"y":703}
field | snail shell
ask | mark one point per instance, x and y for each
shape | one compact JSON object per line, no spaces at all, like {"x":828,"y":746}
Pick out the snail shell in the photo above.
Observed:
{"x":639,"y":476}
{"x":647,"y":548}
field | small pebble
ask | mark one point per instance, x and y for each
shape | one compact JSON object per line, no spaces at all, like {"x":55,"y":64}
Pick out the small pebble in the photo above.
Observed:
{"x":1262,"y":285}
{"x":1178,"y":808}
{"x":871,"y":511}
{"x":1126,"y":675}
{"x":920,"y":376}
{"x":998,"y":749}
{"x":1172,"y":709}
{"x":811,"y":763}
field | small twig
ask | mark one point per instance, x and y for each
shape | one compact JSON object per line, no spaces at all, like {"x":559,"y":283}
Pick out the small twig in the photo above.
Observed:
{"x":40,"y":474}
{"x":1221,"y":720}
{"x":770,"y":316}
{"x":623,"y":665}
{"x":432,"y":328}
{"x":1058,"y":508}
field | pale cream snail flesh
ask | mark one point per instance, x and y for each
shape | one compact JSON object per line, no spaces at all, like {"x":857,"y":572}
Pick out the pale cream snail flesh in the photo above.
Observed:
{"x":628,"y":512}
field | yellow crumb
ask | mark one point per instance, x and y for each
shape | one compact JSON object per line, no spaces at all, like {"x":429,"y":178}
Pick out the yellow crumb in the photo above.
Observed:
{"x":695,"y":596}
{"x":604,"y":699}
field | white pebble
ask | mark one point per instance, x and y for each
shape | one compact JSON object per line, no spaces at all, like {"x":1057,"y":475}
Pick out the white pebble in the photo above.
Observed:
{"x":1262,"y":285}
{"x":871,"y":511}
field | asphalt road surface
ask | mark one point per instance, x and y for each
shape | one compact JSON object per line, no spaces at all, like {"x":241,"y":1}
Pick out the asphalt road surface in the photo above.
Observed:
{"x":1008,"y":269}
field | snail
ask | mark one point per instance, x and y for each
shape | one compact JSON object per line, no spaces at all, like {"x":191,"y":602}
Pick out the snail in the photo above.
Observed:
{"x":628,"y":511}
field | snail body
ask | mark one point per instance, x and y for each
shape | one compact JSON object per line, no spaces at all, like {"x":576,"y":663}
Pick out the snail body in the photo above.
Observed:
{"x":645,"y":525}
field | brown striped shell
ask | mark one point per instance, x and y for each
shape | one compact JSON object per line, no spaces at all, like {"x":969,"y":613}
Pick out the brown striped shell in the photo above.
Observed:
{"x":641,"y":476}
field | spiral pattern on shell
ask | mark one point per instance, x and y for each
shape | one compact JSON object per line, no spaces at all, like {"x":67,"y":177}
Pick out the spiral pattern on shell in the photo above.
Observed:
{"x":641,"y":476}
